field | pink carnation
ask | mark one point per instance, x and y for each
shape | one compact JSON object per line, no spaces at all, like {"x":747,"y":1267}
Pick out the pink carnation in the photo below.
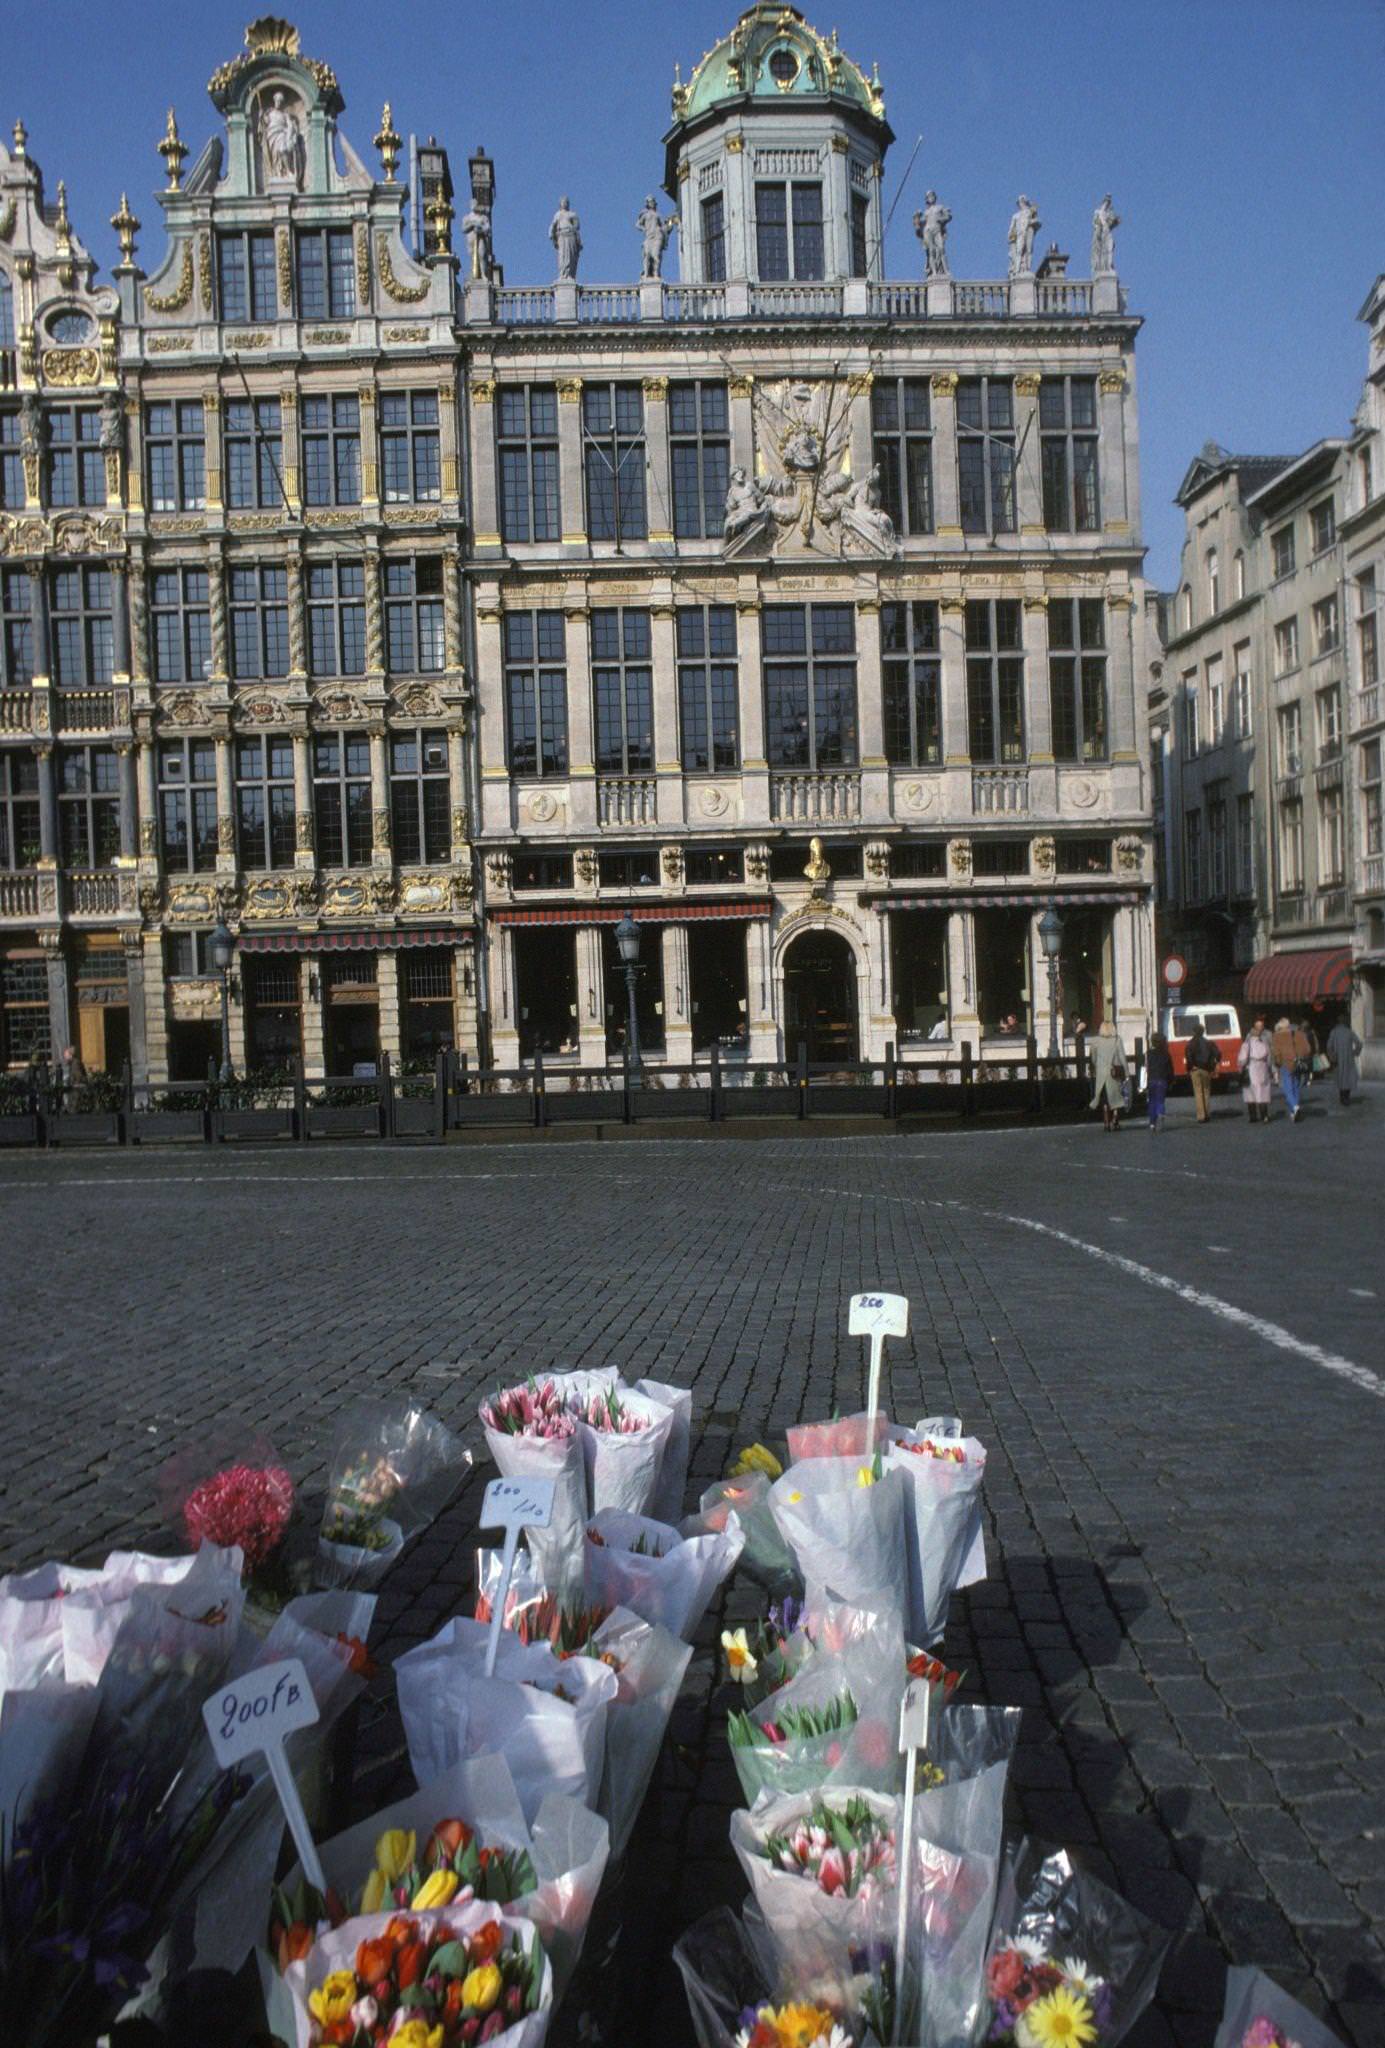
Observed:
{"x":245,"y":1505}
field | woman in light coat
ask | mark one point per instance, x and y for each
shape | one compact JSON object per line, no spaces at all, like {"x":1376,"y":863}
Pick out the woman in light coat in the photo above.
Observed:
{"x":1109,"y":1069}
{"x":1256,"y":1062}
{"x":1342,"y":1048}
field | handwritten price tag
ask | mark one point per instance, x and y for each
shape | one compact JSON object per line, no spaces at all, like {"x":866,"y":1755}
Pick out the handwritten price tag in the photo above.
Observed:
{"x":887,"y":1314}
{"x":256,"y":1712}
{"x":914,"y":1715}
{"x":517,"y":1504}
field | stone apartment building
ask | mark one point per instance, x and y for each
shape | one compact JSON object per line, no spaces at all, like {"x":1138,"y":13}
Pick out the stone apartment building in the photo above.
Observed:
{"x":795,"y":609}
{"x":1265,"y":723}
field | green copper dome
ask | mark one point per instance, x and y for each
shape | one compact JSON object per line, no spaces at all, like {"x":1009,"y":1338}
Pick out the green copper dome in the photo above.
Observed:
{"x":772,"y":54}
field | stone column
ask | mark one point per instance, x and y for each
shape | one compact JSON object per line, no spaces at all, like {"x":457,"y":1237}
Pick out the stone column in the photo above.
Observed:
{"x":581,"y":749}
{"x":291,"y":468}
{"x":739,"y":392}
{"x":945,"y":503}
{"x":456,"y":772}
{"x":754,"y":760}
{"x":304,"y":858}
{"x":739,"y":211}
{"x":1120,"y":676}
{"x":139,"y":616}
{"x":216,"y":599}
{"x":858,"y":389}
{"x":870,"y":713}
{"x":38,"y":624}
{"x":760,"y":991}
{"x":379,"y":797}
{"x":225,"y":808}
{"x":570,"y":461}
{"x":465,"y":1035}
{"x":129,"y":802}
{"x":47,"y":804}
{"x":1111,"y":456}
{"x":485,"y":506}
{"x":120,"y":623}
{"x":678,"y":1044}
{"x":952,"y":622}
{"x":658,"y":472}
{"x":211,"y":424}
{"x":877,"y":1010}
{"x":139,"y":1030}
{"x":504,"y":1018}
{"x":1038,"y":712}
{"x":314,"y":1034}
{"x":591,"y":995}
{"x":370,"y":452}
{"x":837,"y":210}
{"x":298,"y":619}
{"x":155,"y":1008}
{"x":667,"y":748}
{"x":961,"y":980}
{"x":147,"y":783}
{"x":494,"y":794}
{"x":447,"y":442}
{"x":387,"y":987}
{"x":59,"y":992}
{"x":1029,"y":497}
{"x":134,"y":460}
{"x":374,"y":616}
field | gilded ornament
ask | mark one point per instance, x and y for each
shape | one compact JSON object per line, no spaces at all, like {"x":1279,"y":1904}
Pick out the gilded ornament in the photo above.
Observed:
{"x":735,"y":145}
{"x":1130,"y":856}
{"x":741,"y":387}
{"x":388,"y":142}
{"x":240,"y":341}
{"x":1027,"y":384}
{"x":959,"y":856}
{"x":169,"y":344}
{"x":1043,"y":856}
{"x":362,"y":267}
{"x":124,"y":223}
{"x":406,"y":334}
{"x":1112,"y":382}
{"x":859,"y":384}
{"x":459,"y":825}
{"x":402,"y":294}
{"x":945,"y":383}
{"x":327,"y":337}
{"x":569,"y":391}
{"x":71,"y":366}
{"x":283,"y":250}
{"x":656,"y":388}
{"x":204,"y":268}
{"x":175,"y":300}
{"x":173,"y":150}
{"x":483,"y":391}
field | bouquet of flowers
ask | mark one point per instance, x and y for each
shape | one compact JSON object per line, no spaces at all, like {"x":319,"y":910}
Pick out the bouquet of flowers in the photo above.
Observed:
{"x":845,"y":1436}
{"x":648,"y":1567}
{"x":765,"y":1655}
{"x":747,"y":1496}
{"x":666,"y":1502}
{"x":531,"y":1433}
{"x":1259,"y":2014}
{"x":943,"y":1534}
{"x":836,"y":1720}
{"x":737,"y":2001}
{"x":1069,"y":1961}
{"x":392,"y":1468}
{"x":624,"y":1436}
{"x":237,"y":1493}
{"x":427,"y":1980}
{"x":846,"y":1530}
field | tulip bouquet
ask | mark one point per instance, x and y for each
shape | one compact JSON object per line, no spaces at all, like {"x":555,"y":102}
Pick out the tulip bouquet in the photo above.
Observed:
{"x":649,"y":1568}
{"x":845,"y":1436}
{"x":436,"y":1979}
{"x":1069,"y":1962}
{"x":943,"y":1537}
{"x":531,"y":1433}
{"x":845,"y":1528}
{"x":392,"y":1467}
{"x":1258,"y":2013}
{"x":746,"y":1494}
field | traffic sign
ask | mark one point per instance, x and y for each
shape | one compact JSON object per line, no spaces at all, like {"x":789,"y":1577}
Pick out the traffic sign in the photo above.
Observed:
{"x":1175,"y":970}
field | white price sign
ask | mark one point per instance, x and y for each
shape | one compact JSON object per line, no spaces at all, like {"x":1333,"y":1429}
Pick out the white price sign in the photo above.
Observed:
{"x":877,"y":1316}
{"x":512,"y":1505}
{"x":256,"y":1712}
{"x":914,"y":1715}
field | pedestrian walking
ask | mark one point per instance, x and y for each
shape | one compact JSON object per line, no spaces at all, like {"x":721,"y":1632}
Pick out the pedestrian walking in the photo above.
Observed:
{"x":1107,"y":1056}
{"x":1256,"y":1062}
{"x":1293,"y":1056}
{"x":1204,"y":1058}
{"x":1158,"y":1076}
{"x":74,"y":1077}
{"x":1343,"y":1050}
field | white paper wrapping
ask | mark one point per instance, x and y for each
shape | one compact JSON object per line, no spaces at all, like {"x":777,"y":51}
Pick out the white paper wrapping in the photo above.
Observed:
{"x":943,"y":1530}
{"x":813,"y":1933}
{"x":673,"y":1590}
{"x":846,"y":1536}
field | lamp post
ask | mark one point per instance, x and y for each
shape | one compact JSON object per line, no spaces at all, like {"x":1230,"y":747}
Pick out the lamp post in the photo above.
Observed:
{"x":221,"y":948}
{"x":628,"y":946}
{"x":1051,"y":933}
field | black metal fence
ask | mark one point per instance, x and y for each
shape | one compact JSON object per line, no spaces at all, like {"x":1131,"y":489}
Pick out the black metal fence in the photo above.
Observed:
{"x":41,"y":1108}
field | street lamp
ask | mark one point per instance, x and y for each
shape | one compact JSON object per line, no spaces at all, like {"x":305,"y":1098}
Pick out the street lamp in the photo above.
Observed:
{"x":1051,"y":933}
{"x":221,"y":948}
{"x":628,"y":946}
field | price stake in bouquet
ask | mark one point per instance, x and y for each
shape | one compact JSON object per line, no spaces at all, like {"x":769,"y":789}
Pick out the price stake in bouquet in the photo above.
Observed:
{"x":512,"y":1505}
{"x":257,"y":1712}
{"x":913,"y":1737}
{"x":877,"y":1316}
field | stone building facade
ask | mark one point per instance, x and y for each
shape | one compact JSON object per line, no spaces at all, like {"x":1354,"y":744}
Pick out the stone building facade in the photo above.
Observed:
{"x":1266,"y":723}
{"x":796,"y":609}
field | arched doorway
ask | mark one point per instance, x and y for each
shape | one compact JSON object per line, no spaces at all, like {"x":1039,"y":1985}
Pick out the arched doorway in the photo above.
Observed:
{"x":820,"y":998}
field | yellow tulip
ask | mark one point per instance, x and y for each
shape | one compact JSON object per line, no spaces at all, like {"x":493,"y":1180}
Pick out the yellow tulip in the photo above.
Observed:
{"x":865,"y":1477}
{"x":757,"y":1458}
{"x":438,"y":1890}
{"x":376,"y":1893}
{"x":417,"y":2034}
{"x":480,"y":1988}
{"x":334,"y":1998}
{"x":394,"y":1853}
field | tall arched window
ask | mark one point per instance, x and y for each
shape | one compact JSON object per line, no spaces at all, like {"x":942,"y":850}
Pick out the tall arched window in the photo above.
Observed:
{"x":1213,"y":584}
{"x":1238,"y":571}
{"x":6,"y":312}
{"x":1186,"y":608}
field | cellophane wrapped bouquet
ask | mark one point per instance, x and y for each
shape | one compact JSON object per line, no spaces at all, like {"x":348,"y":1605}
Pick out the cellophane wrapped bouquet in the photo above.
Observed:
{"x":1259,"y":2013}
{"x":1068,"y":1958}
{"x":392,"y":1468}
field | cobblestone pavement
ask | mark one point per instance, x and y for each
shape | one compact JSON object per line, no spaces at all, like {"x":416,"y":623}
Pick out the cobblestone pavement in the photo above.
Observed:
{"x":1171,"y":1346}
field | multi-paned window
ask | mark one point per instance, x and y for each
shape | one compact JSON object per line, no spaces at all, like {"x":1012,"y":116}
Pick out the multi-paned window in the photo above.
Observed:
{"x":410,"y":447}
{"x":1241,"y":687}
{"x":810,"y":685}
{"x":89,"y":806}
{"x":699,"y":429}
{"x":708,"y":688}
{"x":1068,"y":443}
{"x":613,"y":451}
{"x":254,"y":444}
{"x":82,"y":627}
{"x":714,"y":239}
{"x":1285,"y":646}
{"x":911,"y":674}
{"x":175,"y":455}
{"x":341,"y":799}
{"x":527,"y":431}
{"x":1282,"y":552}
{"x":536,"y":693}
{"x":1322,"y":521}
{"x":788,"y":231}
{"x":331,"y":449}
{"x":6,"y":312}
{"x":1291,"y":845}
{"x":995,"y":679}
{"x":1290,"y":723}
{"x":180,"y":613}
{"x":1216,"y":842}
{"x":1367,"y":630}
{"x":336,"y":618}
{"x":1372,"y":809}
{"x":415,"y":639}
{"x":1191,"y":700}
{"x":1077,"y":678}
{"x":246,"y":289}
{"x":20,"y":840}
{"x":1192,"y":856}
{"x":26,"y":1031}
{"x":1326,"y":631}
{"x":622,"y":691}
{"x":16,"y":628}
{"x":1329,"y":714}
{"x":420,"y":818}
{"x":13,"y":496}
{"x":1331,"y":837}
{"x":326,"y":273}
{"x":986,"y":454}
{"x":259,"y":621}
{"x":902,"y":450}
{"x":860,"y":234}
{"x":1213,"y":582}
{"x":704,"y":866}
{"x":1245,"y":846}
{"x":187,"y":805}
{"x":73,"y":465}
{"x":1216,"y":701}
{"x":264,"y":802}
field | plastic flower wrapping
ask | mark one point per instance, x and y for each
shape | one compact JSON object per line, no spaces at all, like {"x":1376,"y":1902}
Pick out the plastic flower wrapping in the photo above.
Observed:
{"x":393,"y":1467}
{"x":1069,"y":1962}
{"x":646,"y":1566}
{"x":1259,"y":2013}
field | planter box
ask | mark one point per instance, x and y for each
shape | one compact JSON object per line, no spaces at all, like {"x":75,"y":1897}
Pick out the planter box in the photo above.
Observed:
{"x":351,"y":1120}
{"x":759,"y":1102}
{"x":18,"y":1128}
{"x":253,"y":1123}
{"x":653,"y":1104}
{"x":85,"y":1127}
{"x":471,"y":1111}
{"x":599,"y":1106}
{"x":158,"y":1126}
{"x":848,"y":1098}
{"x":413,"y":1118}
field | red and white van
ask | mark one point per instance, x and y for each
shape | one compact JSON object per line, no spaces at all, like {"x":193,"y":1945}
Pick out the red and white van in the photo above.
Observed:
{"x":1218,"y":1020}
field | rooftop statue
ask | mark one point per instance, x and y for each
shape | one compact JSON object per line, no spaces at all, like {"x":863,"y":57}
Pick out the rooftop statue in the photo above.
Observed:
{"x":282,"y":138}
{"x":1105,"y":221}
{"x":655,"y":232}
{"x":1024,"y":225}
{"x":476,"y":226}
{"x":931,"y":228}
{"x":565,"y":233}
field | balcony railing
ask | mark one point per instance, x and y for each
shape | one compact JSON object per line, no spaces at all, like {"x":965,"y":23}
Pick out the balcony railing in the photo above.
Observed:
{"x":86,"y":710}
{"x":694,"y":302}
{"x":1372,"y":874}
{"x":1368,"y":705}
{"x":1066,"y":297}
{"x":999,"y":791}
{"x":524,"y":308}
{"x":815,"y":799}
{"x":16,"y":710}
{"x":902,"y":299}
{"x":608,"y":302}
{"x":18,"y":895}
{"x":627,"y":800}
{"x":795,"y":301}
{"x":982,"y":301}
{"x":899,"y":301}
{"x":93,"y":895}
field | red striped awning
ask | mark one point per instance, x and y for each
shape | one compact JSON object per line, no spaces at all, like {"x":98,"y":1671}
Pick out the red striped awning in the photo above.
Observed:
{"x":643,"y":913}
{"x":1308,"y":977}
{"x":350,"y":942}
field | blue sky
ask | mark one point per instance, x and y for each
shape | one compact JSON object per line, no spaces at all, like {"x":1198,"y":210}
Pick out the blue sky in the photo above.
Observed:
{"x":1242,"y":140}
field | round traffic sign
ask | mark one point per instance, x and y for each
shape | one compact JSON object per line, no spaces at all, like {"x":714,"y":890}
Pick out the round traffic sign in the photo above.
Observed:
{"x":1175,"y":970}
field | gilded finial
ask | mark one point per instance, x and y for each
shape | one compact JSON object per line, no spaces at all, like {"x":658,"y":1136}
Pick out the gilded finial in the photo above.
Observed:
{"x":438,"y":215}
{"x":127,"y":227}
{"x":173,"y":150}
{"x":388,"y":143}
{"x":680,"y":93}
{"x":21,"y":137}
{"x":62,"y":223}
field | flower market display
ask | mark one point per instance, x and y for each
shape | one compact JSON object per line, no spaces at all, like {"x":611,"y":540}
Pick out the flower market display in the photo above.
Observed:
{"x":886,"y":1902}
